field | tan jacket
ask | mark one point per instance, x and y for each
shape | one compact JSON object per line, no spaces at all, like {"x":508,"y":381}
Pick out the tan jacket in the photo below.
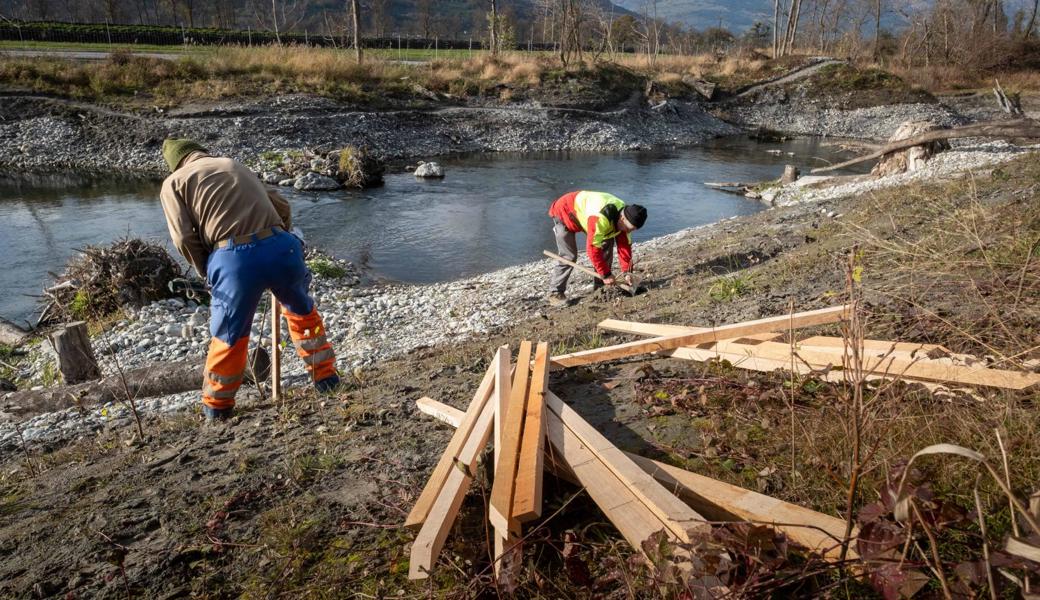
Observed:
{"x":209,"y":199}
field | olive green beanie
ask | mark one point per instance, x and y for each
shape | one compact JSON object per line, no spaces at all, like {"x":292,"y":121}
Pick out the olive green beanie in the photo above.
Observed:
{"x":174,"y":150}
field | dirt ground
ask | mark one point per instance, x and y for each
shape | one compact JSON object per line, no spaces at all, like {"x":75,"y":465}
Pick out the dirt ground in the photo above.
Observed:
{"x":306,"y":499}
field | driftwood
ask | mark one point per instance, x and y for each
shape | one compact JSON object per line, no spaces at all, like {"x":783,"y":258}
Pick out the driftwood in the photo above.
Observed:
{"x":1024,"y":128}
{"x":145,"y":382}
{"x":1012,"y":104}
{"x":74,"y":354}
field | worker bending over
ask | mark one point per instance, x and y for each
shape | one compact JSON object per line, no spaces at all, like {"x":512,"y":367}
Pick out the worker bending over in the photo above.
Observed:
{"x":604,"y":218}
{"x":234,"y":231}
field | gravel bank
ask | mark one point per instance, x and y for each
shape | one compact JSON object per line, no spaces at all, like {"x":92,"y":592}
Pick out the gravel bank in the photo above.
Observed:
{"x":44,"y":134}
{"x":367,"y":324}
{"x":874,"y":123}
{"x":964,"y":157}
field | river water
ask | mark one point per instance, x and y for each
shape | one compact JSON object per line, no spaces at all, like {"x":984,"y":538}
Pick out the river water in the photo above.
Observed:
{"x":488,"y":213}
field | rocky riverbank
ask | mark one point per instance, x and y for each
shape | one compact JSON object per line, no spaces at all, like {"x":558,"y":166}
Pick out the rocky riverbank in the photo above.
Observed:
{"x":47,"y":134}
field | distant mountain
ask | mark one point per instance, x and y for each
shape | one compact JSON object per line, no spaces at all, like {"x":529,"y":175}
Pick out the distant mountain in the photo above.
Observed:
{"x":735,"y":15}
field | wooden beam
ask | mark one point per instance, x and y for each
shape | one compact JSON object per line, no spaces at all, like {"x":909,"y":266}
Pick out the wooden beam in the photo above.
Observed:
{"x":502,"y":491}
{"x":813,"y":530}
{"x":660,"y":329}
{"x":445,"y":508}
{"x":447,"y":460}
{"x":891,"y":366}
{"x":507,"y":546}
{"x":503,"y":377}
{"x":622,"y":505}
{"x":736,"y":330}
{"x":679,"y":518}
{"x":722,"y":501}
{"x":876,"y":346}
{"x":527,"y":499}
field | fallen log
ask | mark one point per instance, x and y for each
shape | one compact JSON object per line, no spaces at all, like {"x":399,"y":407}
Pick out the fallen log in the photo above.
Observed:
{"x":1024,"y":128}
{"x":145,"y":382}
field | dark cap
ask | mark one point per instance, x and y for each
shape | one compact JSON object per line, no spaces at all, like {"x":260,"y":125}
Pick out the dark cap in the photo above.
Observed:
{"x":635,"y":214}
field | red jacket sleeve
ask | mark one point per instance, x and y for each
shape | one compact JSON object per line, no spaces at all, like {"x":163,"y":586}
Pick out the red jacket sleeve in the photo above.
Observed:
{"x":624,"y":251}
{"x":595,"y":254}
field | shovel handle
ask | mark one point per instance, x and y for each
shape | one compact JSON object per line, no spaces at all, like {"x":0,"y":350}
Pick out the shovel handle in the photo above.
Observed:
{"x":584,"y":269}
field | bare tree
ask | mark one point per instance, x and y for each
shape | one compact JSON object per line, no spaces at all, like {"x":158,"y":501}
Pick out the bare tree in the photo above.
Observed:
{"x":424,"y":9}
{"x":1032,"y":21}
{"x":494,"y":29}
{"x":776,"y":28}
{"x":356,"y":13}
{"x":877,"y":31}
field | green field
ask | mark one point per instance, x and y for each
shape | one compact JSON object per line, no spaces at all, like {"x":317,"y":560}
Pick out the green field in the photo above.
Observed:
{"x":411,"y":54}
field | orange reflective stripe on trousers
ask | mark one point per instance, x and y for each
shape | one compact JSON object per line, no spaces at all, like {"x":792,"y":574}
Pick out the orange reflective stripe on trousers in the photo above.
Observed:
{"x":308,"y":335}
{"x":225,"y":368}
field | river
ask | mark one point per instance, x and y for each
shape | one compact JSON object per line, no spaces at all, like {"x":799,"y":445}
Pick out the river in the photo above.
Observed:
{"x":489,"y":211}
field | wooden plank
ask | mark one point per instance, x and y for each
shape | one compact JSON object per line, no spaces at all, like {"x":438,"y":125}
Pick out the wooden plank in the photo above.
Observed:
{"x":434,"y":531}
{"x":506,"y":545}
{"x":817,"y":532}
{"x":501,"y":510}
{"x":892,"y":366}
{"x":679,"y":518}
{"x":736,"y":330}
{"x":659,"y":329}
{"x":722,"y":501}
{"x":527,"y":499}
{"x":503,"y":376}
{"x":633,"y":519}
{"x":881,"y":346}
{"x":444,"y":465}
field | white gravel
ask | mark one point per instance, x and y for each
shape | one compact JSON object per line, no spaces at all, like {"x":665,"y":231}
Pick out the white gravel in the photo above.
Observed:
{"x":964,"y":157}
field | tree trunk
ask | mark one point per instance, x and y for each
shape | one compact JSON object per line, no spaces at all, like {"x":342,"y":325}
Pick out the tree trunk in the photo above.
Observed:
{"x":145,"y":382}
{"x":357,"y":29}
{"x":1032,"y":21}
{"x":274,"y":19}
{"x":877,"y":31}
{"x":776,"y":28}
{"x":75,"y":357}
{"x":790,"y":174}
{"x":494,"y":29}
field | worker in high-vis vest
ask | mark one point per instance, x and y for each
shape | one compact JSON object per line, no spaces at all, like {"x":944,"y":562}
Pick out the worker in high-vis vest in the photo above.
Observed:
{"x":234,"y":232}
{"x":605,"y":219}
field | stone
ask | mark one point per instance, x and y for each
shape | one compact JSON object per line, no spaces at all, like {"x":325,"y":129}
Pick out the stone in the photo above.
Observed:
{"x":314,"y":182}
{"x":317,"y":164}
{"x":287,"y":182}
{"x":272,"y":177}
{"x":430,"y":170}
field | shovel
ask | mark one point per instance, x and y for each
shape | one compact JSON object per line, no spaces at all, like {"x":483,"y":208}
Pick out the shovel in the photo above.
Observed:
{"x":630,"y":290}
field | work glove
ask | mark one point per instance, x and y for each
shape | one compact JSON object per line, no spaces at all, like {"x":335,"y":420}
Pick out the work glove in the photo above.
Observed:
{"x":609,"y":280}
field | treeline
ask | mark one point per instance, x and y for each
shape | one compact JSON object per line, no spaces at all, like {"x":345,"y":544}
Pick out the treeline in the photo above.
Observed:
{"x":105,"y":33}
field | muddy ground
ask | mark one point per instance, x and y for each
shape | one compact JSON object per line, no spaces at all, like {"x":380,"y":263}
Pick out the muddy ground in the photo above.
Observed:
{"x":305,"y":499}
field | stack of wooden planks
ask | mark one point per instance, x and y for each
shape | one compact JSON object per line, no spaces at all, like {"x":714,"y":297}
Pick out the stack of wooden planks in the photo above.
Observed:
{"x":512,"y":407}
{"x":826,"y":357}
{"x":533,"y":430}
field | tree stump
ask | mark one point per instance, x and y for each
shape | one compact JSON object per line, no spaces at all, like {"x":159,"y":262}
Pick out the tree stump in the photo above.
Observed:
{"x":74,"y":355}
{"x":790,"y":175}
{"x":913,"y":158}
